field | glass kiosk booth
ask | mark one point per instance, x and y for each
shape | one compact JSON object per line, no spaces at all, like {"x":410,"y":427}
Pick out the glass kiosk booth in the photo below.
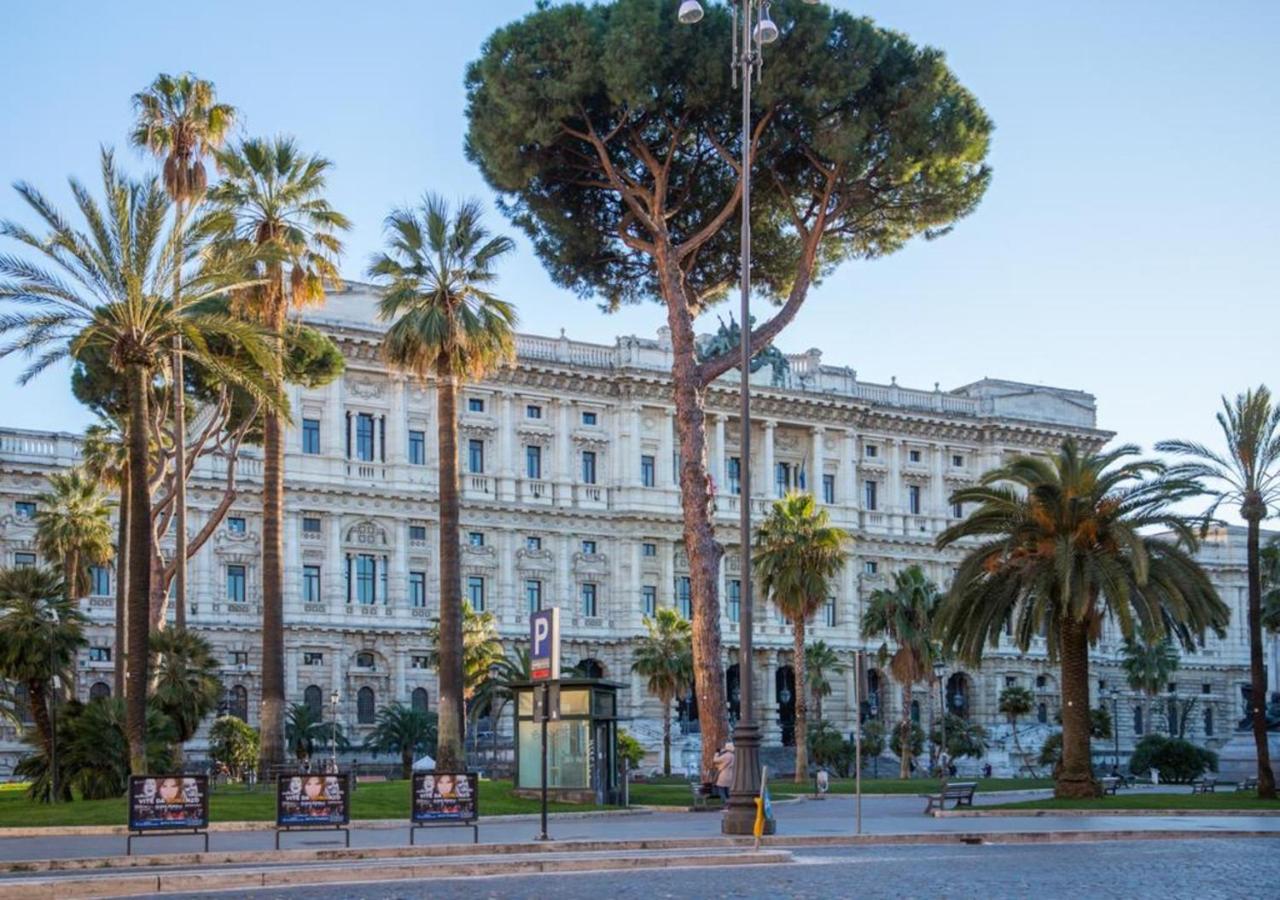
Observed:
{"x":582,"y":744}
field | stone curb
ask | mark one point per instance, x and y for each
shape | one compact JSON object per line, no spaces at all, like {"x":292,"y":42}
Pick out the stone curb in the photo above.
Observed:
{"x":1031,"y":813}
{"x":134,"y":883}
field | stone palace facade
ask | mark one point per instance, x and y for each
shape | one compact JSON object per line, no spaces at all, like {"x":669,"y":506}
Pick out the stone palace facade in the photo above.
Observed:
{"x":569,"y":499}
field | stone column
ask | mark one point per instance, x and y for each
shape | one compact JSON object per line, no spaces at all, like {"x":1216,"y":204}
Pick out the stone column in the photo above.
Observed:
{"x":665,"y":468}
{"x":398,"y":571}
{"x":767,"y":482}
{"x":505,"y":447}
{"x":397,"y":424}
{"x":818,"y":459}
{"x":565,"y":589}
{"x":564,"y":449}
{"x":333,"y":437}
{"x":941,"y":508}
{"x":717,"y":452}
{"x":505,"y":542}
{"x":848,"y":478}
{"x":332,"y":590}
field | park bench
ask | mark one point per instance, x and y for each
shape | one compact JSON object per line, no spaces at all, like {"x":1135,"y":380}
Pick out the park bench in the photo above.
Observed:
{"x":961,"y":793}
{"x":703,"y":793}
{"x":1247,"y":784}
{"x":1204,"y":786}
{"x":1110,"y":783}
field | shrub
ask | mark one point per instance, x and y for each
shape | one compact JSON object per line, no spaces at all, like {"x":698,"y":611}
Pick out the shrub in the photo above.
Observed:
{"x":964,"y":738}
{"x":629,"y":749}
{"x":233,"y":744}
{"x":829,"y":749}
{"x":895,"y":739}
{"x":1178,"y":760}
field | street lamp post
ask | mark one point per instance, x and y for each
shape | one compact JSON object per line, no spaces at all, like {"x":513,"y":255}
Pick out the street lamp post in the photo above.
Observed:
{"x":1115,"y":723}
{"x":333,"y":732}
{"x":55,"y":684}
{"x":938,"y":671}
{"x":753,"y":29}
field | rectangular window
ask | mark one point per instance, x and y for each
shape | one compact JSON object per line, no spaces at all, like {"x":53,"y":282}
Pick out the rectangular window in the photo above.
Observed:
{"x":782,"y":478}
{"x":735,"y":600}
{"x":734,"y":472}
{"x":589,"y":600}
{"x":99,"y":654}
{"x":829,"y":612}
{"x":235,"y":524}
{"x":311,"y":436}
{"x":588,"y":467}
{"x":235,"y":584}
{"x":239,"y":657}
{"x":24,"y":560}
{"x":533,"y":543}
{"x":312,"y":658}
{"x":418,"y":590}
{"x":913,"y":456}
{"x":475,"y":456}
{"x":913,"y":499}
{"x":310,"y":584}
{"x":366,"y":579}
{"x":828,"y":489}
{"x":533,"y":411}
{"x":869,"y":494}
{"x":364,"y":437}
{"x":1205,"y":688}
{"x":590,"y":418}
{"x":475,"y":538}
{"x":417,"y":448}
{"x":311,"y":526}
{"x":648,"y":549}
{"x":533,"y":595}
{"x":475,"y":592}
{"x":684,"y":597}
{"x":419,"y":662}
{"x":417,"y":532}
{"x":649,"y":599}
{"x":957,"y":460}
{"x":871,"y":451}
{"x":475,"y":404}
{"x":100,"y":581}
{"x":870,"y":567}
{"x":648,"y":471}
{"x":533,"y":462}
{"x":24,"y":509}
{"x":589,"y":548}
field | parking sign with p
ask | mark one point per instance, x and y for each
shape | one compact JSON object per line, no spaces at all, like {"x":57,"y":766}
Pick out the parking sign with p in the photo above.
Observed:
{"x":544,"y":644}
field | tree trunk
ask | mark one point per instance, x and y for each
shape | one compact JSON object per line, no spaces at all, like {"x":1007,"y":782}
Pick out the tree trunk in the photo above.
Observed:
{"x":139,"y":569}
{"x":700,"y":543}
{"x":449,"y":756}
{"x":273,"y":697}
{"x":1076,"y":776}
{"x":904,"y":731}
{"x":666,"y":737}
{"x":38,"y":697}
{"x":1017,"y":747}
{"x":802,"y":705}
{"x":406,"y":764}
{"x":180,"y":436}
{"x":1257,"y":668}
{"x":122,"y":582}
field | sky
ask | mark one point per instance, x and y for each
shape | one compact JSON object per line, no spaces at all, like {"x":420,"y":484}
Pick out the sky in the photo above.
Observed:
{"x":1127,"y":245}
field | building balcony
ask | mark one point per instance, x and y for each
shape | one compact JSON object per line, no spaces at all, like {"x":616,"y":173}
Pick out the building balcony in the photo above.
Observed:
{"x":479,"y":487}
{"x":536,"y":492}
{"x":591,"y":496}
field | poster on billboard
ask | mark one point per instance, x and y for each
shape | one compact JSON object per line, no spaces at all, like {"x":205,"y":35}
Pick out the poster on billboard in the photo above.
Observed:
{"x":168,"y":803}
{"x":440,"y":797}
{"x":307,"y":800}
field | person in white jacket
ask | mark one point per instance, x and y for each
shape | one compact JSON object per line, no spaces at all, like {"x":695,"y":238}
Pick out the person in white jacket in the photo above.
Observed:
{"x":723,"y":761}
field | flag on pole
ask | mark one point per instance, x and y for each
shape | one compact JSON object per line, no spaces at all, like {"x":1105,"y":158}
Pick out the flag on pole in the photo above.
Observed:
{"x":764,"y":809}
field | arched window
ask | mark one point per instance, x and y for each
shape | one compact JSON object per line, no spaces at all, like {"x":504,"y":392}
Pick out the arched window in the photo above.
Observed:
{"x":100,"y":690}
{"x":915,"y":711}
{"x":958,"y":695}
{"x":1042,"y":713}
{"x":1137,"y":720}
{"x":733,"y":690}
{"x":1208,"y":721}
{"x":240,"y":702}
{"x":591,"y":668}
{"x":419,"y":700}
{"x":365,"y":713}
{"x":871,"y":705}
{"x":785,"y":694}
{"x":364,"y":660}
{"x":314,"y":700}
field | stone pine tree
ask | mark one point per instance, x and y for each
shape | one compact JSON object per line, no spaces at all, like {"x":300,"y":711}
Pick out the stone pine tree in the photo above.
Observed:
{"x":611,"y":134}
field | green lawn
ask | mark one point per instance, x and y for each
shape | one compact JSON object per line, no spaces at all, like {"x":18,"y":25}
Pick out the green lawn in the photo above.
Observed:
{"x":675,"y":791}
{"x":375,"y":800}
{"x":1229,"y":799}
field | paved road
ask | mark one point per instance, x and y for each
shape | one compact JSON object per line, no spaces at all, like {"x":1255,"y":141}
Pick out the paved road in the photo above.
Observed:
{"x":1203,"y":869}
{"x":835,"y":815}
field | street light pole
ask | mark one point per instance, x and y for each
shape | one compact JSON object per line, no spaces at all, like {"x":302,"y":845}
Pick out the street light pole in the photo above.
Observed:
{"x":54,"y":685}
{"x":943,"y":760}
{"x":333,"y":732}
{"x":1115,"y":723}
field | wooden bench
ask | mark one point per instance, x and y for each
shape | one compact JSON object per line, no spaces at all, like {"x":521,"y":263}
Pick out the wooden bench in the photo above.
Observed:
{"x":961,"y":793}
{"x":1247,"y":784}
{"x":1110,"y":783}
{"x":1204,"y":786}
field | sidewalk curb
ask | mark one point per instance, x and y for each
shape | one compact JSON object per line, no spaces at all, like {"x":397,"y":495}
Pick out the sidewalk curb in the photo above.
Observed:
{"x":1032,"y":813}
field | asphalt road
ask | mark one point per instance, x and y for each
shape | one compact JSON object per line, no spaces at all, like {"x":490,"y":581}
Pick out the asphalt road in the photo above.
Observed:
{"x":1201,"y":869}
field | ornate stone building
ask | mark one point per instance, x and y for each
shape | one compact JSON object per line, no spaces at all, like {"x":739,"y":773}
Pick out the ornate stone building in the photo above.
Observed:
{"x":569,"y":499}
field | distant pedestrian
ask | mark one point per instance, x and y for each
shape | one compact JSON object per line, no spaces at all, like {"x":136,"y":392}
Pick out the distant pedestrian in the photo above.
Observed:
{"x":1155,"y":775}
{"x":723,"y":763}
{"x":986,"y":770}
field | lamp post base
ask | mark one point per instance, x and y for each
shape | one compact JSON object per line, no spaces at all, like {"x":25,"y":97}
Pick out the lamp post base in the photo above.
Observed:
{"x":740,"y":814}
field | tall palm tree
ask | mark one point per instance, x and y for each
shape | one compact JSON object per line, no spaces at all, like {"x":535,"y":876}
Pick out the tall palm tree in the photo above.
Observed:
{"x":40,"y":632}
{"x":73,"y":528}
{"x":105,"y":457}
{"x":902,"y":616}
{"x":798,"y":553}
{"x":664,"y":657}
{"x":180,"y":121}
{"x":1247,"y":477}
{"x":1148,"y":665}
{"x":1015,"y":702}
{"x":1059,"y":546}
{"x":446,"y":324}
{"x":821,"y":661}
{"x":105,"y":291}
{"x":272,"y":199}
{"x":186,"y":683}
{"x":400,"y":729}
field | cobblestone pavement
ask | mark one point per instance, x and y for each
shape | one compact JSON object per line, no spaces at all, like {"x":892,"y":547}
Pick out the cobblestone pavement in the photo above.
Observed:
{"x":1202,"y":869}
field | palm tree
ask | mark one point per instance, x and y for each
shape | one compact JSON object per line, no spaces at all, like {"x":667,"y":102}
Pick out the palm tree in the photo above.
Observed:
{"x":1062,"y":544}
{"x":180,"y":121}
{"x":272,"y":199}
{"x":305,"y":730}
{"x":105,"y":292}
{"x":481,"y":649}
{"x":1017,"y":701}
{"x":73,"y":528}
{"x":186,"y":683}
{"x":446,"y":325}
{"x":903,"y":618}
{"x":1148,"y":665}
{"x":40,"y":632}
{"x":1246,"y":477}
{"x":665,"y":657}
{"x":400,"y":729}
{"x":105,"y":457}
{"x":820,"y":661}
{"x":798,"y":554}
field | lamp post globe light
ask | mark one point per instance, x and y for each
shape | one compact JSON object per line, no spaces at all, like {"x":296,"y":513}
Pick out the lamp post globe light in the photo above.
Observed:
{"x":753,"y":28}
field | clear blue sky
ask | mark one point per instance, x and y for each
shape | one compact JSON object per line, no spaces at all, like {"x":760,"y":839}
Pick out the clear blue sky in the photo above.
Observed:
{"x":1127,"y":246}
